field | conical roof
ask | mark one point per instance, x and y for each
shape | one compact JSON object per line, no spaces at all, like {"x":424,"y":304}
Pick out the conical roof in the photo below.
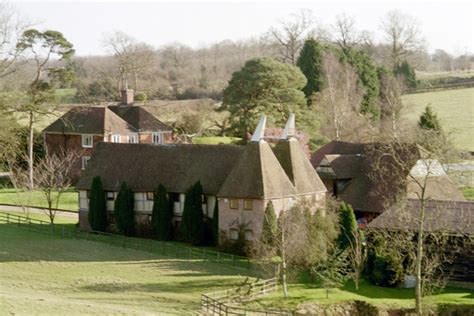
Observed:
{"x":257,"y":174}
{"x":298,"y":167}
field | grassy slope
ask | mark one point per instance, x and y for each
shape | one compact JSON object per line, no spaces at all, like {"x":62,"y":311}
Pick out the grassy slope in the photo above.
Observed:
{"x":68,"y":200}
{"x":387,"y":297}
{"x":68,"y":276}
{"x":455,"y":108}
{"x":215,"y":140}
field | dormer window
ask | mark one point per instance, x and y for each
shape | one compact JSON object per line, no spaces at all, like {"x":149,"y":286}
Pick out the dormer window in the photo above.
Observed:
{"x":115,"y":138}
{"x":157,"y":138}
{"x":87,"y":141}
{"x":133,"y":138}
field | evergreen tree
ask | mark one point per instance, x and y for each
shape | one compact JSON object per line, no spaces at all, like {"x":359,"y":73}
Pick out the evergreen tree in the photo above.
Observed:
{"x":348,"y":226}
{"x":310,"y":62}
{"x":97,"y":206}
{"x":368,"y":77}
{"x":408,"y":73}
{"x":215,"y":223}
{"x":162,"y":215}
{"x":429,"y":120}
{"x":124,"y":211}
{"x":269,"y":226}
{"x":192,"y":222}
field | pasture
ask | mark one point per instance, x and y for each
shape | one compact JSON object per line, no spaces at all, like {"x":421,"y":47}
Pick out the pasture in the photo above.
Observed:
{"x":67,"y":201}
{"x":69,"y":276}
{"x":455,"y":109}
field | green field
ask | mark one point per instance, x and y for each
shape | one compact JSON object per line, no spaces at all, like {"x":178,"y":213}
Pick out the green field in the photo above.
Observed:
{"x":468,"y":193}
{"x":44,"y":274}
{"x":455,"y":109}
{"x":68,"y":200}
{"x":379,"y":296}
{"x":215,"y":140}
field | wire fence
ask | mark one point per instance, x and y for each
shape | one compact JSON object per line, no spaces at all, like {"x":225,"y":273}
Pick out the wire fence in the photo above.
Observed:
{"x":164,"y":248}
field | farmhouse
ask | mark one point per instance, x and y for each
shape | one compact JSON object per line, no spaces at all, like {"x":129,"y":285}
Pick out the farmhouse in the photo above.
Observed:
{"x":82,"y":128}
{"x":242,"y":180}
{"x":372,"y":177}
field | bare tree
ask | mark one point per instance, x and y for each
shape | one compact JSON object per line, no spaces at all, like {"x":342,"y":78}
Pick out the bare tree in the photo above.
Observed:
{"x":356,"y":256}
{"x":12,"y":25}
{"x":291,"y":33}
{"x":391,"y":89}
{"x":403,"y":34}
{"x":53,"y":178}
{"x":345,"y":32}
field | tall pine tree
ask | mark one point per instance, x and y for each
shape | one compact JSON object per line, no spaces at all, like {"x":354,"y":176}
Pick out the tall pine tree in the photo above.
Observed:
{"x":124,"y":211}
{"x":192,"y":221}
{"x":310,"y":62}
{"x":97,"y":215}
{"x":162,"y":215}
{"x":348,"y":225}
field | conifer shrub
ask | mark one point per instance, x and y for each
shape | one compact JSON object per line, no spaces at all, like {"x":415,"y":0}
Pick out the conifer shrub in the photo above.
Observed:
{"x":348,"y":225}
{"x":384,"y":266}
{"x":192,"y":222}
{"x":162,"y":215}
{"x":97,"y":215}
{"x":124,"y":211}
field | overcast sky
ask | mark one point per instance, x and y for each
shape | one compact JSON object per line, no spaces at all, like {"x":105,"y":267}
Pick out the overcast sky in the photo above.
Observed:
{"x":446,"y":25}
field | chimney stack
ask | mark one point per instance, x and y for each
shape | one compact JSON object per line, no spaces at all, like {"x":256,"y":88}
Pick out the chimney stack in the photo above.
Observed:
{"x":126,"y":96}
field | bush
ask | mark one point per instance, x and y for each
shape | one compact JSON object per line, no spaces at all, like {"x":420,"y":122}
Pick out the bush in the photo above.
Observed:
{"x":124,"y":211}
{"x":162,"y":215}
{"x":97,"y":215}
{"x":140,"y":97}
{"x":192,"y":223}
{"x":384,"y":267}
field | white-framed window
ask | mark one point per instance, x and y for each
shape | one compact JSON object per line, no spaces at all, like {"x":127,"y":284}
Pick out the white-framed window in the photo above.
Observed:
{"x":110,"y":196}
{"x":87,"y":141}
{"x":85,"y":161}
{"x":248,"y":234}
{"x":234,"y":234}
{"x":133,"y":138}
{"x":115,"y":138}
{"x":157,"y":138}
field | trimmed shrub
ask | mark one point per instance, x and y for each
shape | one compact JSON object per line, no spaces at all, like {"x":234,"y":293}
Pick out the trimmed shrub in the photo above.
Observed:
{"x":97,"y":215}
{"x":124,"y":211}
{"x":269,"y":226}
{"x":192,"y":222}
{"x":162,"y":215}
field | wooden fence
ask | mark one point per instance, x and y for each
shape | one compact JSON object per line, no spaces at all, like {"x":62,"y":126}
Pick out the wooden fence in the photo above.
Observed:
{"x":164,"y":248}
{"x":226,"y":302}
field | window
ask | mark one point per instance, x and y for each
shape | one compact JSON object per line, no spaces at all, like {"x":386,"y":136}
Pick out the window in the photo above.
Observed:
{"x":248,"y":234}
{"x":110,"y":196}
{"x":157,"y":138}
{"x":150,"y":196}
{"x":234,"y":234}
{"x":85,"y":161}
{"x":116,"y":138}
{"x":234,"y":203}
{"x":87,"y":141}
{"x":133,"y":138}
{"x":248,"y":205}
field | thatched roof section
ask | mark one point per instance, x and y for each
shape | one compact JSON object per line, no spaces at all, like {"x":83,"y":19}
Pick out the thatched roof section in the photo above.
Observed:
{"x":145,"y":166}
{"x":257,"y":174}
{"x":456,"y":217}
{"x":297,"y":167}
{"x":89,"y":120}
{"x":138,"y":117}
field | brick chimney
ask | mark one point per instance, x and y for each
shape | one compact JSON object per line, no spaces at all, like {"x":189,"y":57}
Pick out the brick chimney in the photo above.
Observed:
{"x":126,"y":96}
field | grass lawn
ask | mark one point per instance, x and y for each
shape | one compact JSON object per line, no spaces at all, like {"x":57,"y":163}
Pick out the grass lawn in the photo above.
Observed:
{"x":44,"y":274}
{"x":215,"y":140}
{"x":468,"y":193}
{"x":68,"y":200}
{"x":380,"y":296}
{"x":455,"y":108}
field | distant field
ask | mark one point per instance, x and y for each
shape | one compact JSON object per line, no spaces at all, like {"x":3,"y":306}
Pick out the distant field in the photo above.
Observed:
{"x":48,"y":275}
{"x":68,"y":200}
{"x":468,"y":193}
{"x":455,"y":109}
{"x":215,"y":140}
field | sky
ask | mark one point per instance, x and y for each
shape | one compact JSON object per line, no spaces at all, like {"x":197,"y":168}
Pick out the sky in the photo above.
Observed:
{"x":448,"y":25}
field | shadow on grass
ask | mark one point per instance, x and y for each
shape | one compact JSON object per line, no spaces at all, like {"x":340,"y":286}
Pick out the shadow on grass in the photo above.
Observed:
{"x":378,"y":292}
